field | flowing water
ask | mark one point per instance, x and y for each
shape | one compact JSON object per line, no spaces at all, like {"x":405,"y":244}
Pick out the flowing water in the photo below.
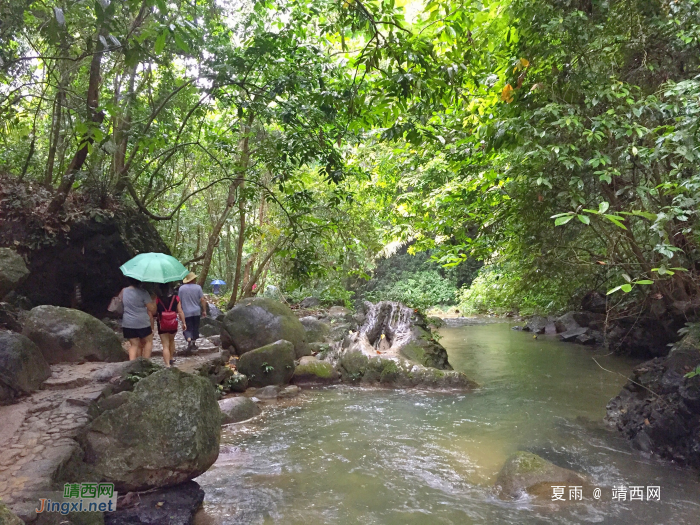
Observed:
{"x":353,"y":456}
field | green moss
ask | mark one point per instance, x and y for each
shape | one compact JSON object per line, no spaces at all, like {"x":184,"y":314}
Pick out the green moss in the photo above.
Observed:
{"x":390,"y":371}
{"x":319,"y":369}
{"x":528,"y":462}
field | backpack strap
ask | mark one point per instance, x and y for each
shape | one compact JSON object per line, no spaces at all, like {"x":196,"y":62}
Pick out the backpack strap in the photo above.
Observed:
{"x":170,"y":308}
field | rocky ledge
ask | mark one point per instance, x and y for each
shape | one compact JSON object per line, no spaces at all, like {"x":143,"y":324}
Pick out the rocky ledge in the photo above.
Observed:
{"x":658,"y":409}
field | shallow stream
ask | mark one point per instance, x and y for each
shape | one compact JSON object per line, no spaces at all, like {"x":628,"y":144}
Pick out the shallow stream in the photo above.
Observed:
{"x":353,"y":456}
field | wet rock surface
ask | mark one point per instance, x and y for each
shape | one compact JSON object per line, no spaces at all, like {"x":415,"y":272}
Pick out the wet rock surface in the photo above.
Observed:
{"x":525,"y":472}
{"x":65,"y":335}
{"x":316,"y":330}
{"x":658,"y":410}
{"x":236,"y":409}
{"x":259,"y":321}
{"x":311,"y":371}
{"x":173,"y":506}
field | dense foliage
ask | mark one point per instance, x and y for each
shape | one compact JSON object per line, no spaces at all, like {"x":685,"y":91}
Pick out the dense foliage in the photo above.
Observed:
{"x":280,"y":142}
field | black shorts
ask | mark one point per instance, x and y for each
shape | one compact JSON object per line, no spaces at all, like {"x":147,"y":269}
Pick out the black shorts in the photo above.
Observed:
{"x":136,"y":333}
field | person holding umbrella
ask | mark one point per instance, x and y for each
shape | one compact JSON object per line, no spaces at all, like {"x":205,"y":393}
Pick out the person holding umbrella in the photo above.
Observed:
{"x":138,"y":306}
{"x":195,"y":306}
{"x":137,"y":319}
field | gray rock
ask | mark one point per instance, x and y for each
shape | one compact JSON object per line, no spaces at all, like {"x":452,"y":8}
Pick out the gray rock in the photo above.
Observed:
{"x":236,"y":409}
{"x":65,"y":335}
{"x":319,"y":348}
{"x":572,"y":336}
{"x":213,"y":311}
{"x":268,"y":392}
{"x":310,"y":302}
{"x":259,"y":321}
{"x":165,"y":433}
{"x":316,"y":331}
{"x":272,"y":364}
{"x":525,"y":472}
{"x":536,"y":324}
{"x":566,"y":322}
{"x":215,"y":339}
{"x":22,"y":367}
{"x":172,"y":506}
{"x":10,"y":317}
{"x":209,"y":327}
{"x":340,"y":312}
{"x":290,"y":391}
{"x":13,"y":271}
{"x":595,"y":302}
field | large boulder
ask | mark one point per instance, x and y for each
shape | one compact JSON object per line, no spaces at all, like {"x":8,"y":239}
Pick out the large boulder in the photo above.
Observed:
{"x":311,"y":371}
{"x":271,"y":364}
{"x":172,"y":506}
{"x":525,"y":472}
{"x":236,"y":409}
{"x":259,"y":321}
{"x":163,"y":433}
{"x":391,"y":330}
{"x":65,"y":335}
{"x":13,"y":271}
{"x":316,"y":331}
{"x":22,"y":367}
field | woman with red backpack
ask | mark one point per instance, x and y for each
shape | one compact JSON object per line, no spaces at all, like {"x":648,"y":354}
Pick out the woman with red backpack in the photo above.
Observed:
{"x":169,"y":310}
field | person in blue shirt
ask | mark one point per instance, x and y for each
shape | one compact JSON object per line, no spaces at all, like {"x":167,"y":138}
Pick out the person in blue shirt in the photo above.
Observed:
{"x":194,"y":305}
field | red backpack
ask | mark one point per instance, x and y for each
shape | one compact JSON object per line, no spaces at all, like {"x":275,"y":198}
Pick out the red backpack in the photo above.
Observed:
{"x":168,"y":319}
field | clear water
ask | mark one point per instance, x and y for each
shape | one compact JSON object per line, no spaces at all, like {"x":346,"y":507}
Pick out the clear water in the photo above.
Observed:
{"x":354,"y":456}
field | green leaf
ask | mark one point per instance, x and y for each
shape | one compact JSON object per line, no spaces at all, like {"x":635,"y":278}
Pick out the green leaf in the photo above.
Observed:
{"x":563,"y":220}
{"x":160,"y":42}
{"x":644,"y":281}
{"x":603,"y":207}
{"x":627,"y":288}
{"x":584,"y":219}
{"x":613,"y":290}
{"x":179,"y":42}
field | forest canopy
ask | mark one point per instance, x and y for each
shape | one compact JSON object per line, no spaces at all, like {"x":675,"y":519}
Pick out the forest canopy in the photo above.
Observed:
{"x":551,"y":143}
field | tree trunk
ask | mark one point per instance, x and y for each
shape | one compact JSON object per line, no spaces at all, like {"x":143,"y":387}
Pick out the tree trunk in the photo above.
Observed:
{"x":239,"y":254}
{"x":230,"y":202}
{"x":96,"y":117}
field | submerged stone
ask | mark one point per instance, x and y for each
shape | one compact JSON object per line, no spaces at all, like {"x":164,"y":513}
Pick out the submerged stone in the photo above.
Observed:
{"x":525,"y":472}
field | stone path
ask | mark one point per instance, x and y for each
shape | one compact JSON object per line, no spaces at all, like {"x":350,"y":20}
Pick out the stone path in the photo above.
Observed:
{"x":37,"y":435}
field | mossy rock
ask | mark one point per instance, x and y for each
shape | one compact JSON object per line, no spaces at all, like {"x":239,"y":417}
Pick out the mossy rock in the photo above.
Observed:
{"x":22,"y":367}
{"x":260,"y":321}
{"x":163,"y":433}
{"x":13,"y":271}
{"x":7,"y":517}
{"x":353,"y":366}
{"x":65,"y":335}
{"x":316,"y":331}
{"x":272,"y":364}
{"x":237,"y":409}
{"x":423,"y":349}
{"x":525,"y":472}
{"x":313,"y":371}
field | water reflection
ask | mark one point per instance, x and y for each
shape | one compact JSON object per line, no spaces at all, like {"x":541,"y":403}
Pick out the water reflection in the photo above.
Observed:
{"x":347,"y":456}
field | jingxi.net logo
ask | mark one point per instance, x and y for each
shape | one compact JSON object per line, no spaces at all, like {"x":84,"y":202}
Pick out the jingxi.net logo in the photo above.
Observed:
{"x":82,"y":497}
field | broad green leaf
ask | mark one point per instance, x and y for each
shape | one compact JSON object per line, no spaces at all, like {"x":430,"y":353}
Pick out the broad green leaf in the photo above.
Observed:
{"x":584,"y":219}
{"x":627,"y":288}
{"x":603,"y":207}
{"x":563,"y":220}
{"x":644,"y":281}
{"x":160,"y":42}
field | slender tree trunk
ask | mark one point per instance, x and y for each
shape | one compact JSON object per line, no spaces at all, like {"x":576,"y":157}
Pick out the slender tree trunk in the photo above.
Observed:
{"x":239,"y":254}
{"x":236,"y":186}
{"x":96,"y":117}
{"x":247,"y":291}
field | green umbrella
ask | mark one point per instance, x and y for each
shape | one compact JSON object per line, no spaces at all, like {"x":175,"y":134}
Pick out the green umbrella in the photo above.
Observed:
{"x":154,"y":268}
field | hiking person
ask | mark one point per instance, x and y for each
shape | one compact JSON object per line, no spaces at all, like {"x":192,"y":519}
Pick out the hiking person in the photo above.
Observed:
{"x":169,"y":310}
{"x":137,"y":319}
{"x":195,"y":307}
